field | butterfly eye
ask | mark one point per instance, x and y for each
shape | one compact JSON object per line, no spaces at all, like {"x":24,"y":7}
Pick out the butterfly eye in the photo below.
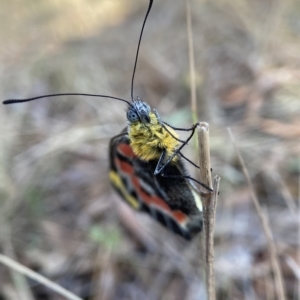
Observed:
{"x":132,"y":116}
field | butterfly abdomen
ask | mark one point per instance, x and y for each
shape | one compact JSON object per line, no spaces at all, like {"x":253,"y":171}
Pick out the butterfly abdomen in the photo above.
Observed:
{"x":149,"y":140}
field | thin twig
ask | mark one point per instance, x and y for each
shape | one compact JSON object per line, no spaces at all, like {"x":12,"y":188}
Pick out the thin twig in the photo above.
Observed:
{"x":209,"y":202}
{"x":209,"y":213}
{"x":191,"y":61}
{"x":19,"y":280}
{"x":279,"y":284}
{"x":204,"y":155}
{"x":37,"y":277}
{"x":209,"y":199}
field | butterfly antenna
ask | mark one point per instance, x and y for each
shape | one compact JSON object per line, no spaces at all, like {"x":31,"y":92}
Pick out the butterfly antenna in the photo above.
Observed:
{"x":11,"y":101}
{"x":138,"y":47}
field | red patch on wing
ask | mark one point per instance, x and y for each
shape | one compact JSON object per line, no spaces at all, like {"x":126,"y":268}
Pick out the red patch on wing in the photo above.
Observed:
{"x":149,"y":199}
{"x":124,"y":166}
{"x":128,"y":169}
{"x":126,"y":150}
{"x":154,"y":200}
{"x":179,"y":216}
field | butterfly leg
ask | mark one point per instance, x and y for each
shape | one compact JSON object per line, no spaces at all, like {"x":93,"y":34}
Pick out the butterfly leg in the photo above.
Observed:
{"x":162,"y":163}
{"x":175,"y":128}
{"x":187,"y":177}
{"x":162,"y":124}
{"x":182,"y":129}
{"x":184,"y":157}
{"x":159,"y":171}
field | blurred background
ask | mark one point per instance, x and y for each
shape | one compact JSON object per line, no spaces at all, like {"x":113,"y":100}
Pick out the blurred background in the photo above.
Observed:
{"x":59,"y":214}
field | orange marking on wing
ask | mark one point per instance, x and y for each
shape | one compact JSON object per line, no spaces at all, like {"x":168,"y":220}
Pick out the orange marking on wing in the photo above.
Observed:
{"x":126,"y":150}
{"x":179,"y":216}
{"x":124,"y":166}
{"x":149,"y":199}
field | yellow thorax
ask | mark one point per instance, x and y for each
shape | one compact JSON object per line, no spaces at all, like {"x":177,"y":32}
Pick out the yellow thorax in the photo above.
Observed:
{"x":148,"y":140}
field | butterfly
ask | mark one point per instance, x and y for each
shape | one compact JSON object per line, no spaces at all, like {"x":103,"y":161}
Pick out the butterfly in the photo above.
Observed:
{"x":147,"y":166}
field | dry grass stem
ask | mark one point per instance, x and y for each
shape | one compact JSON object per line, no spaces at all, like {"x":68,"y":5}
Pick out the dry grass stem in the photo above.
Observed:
{"x":37,"y":277}
{"x":209,"y":216}
{"x":191,"y":61}
{"x":19,"y":281}
{"x":204,"y":155}
{"x":208,"y":199}
{"x":279,"y":284}
{"x":209,"y":202}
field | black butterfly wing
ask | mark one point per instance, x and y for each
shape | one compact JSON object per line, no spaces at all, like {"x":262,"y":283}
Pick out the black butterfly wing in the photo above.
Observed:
{"x":171,"y":201}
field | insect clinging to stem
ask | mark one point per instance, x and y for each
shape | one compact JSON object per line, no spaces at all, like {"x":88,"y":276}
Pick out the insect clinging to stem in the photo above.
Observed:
{"x":147,"y":165}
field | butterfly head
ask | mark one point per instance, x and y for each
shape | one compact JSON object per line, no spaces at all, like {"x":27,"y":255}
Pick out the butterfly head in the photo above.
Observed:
{"x":139,"y":111}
